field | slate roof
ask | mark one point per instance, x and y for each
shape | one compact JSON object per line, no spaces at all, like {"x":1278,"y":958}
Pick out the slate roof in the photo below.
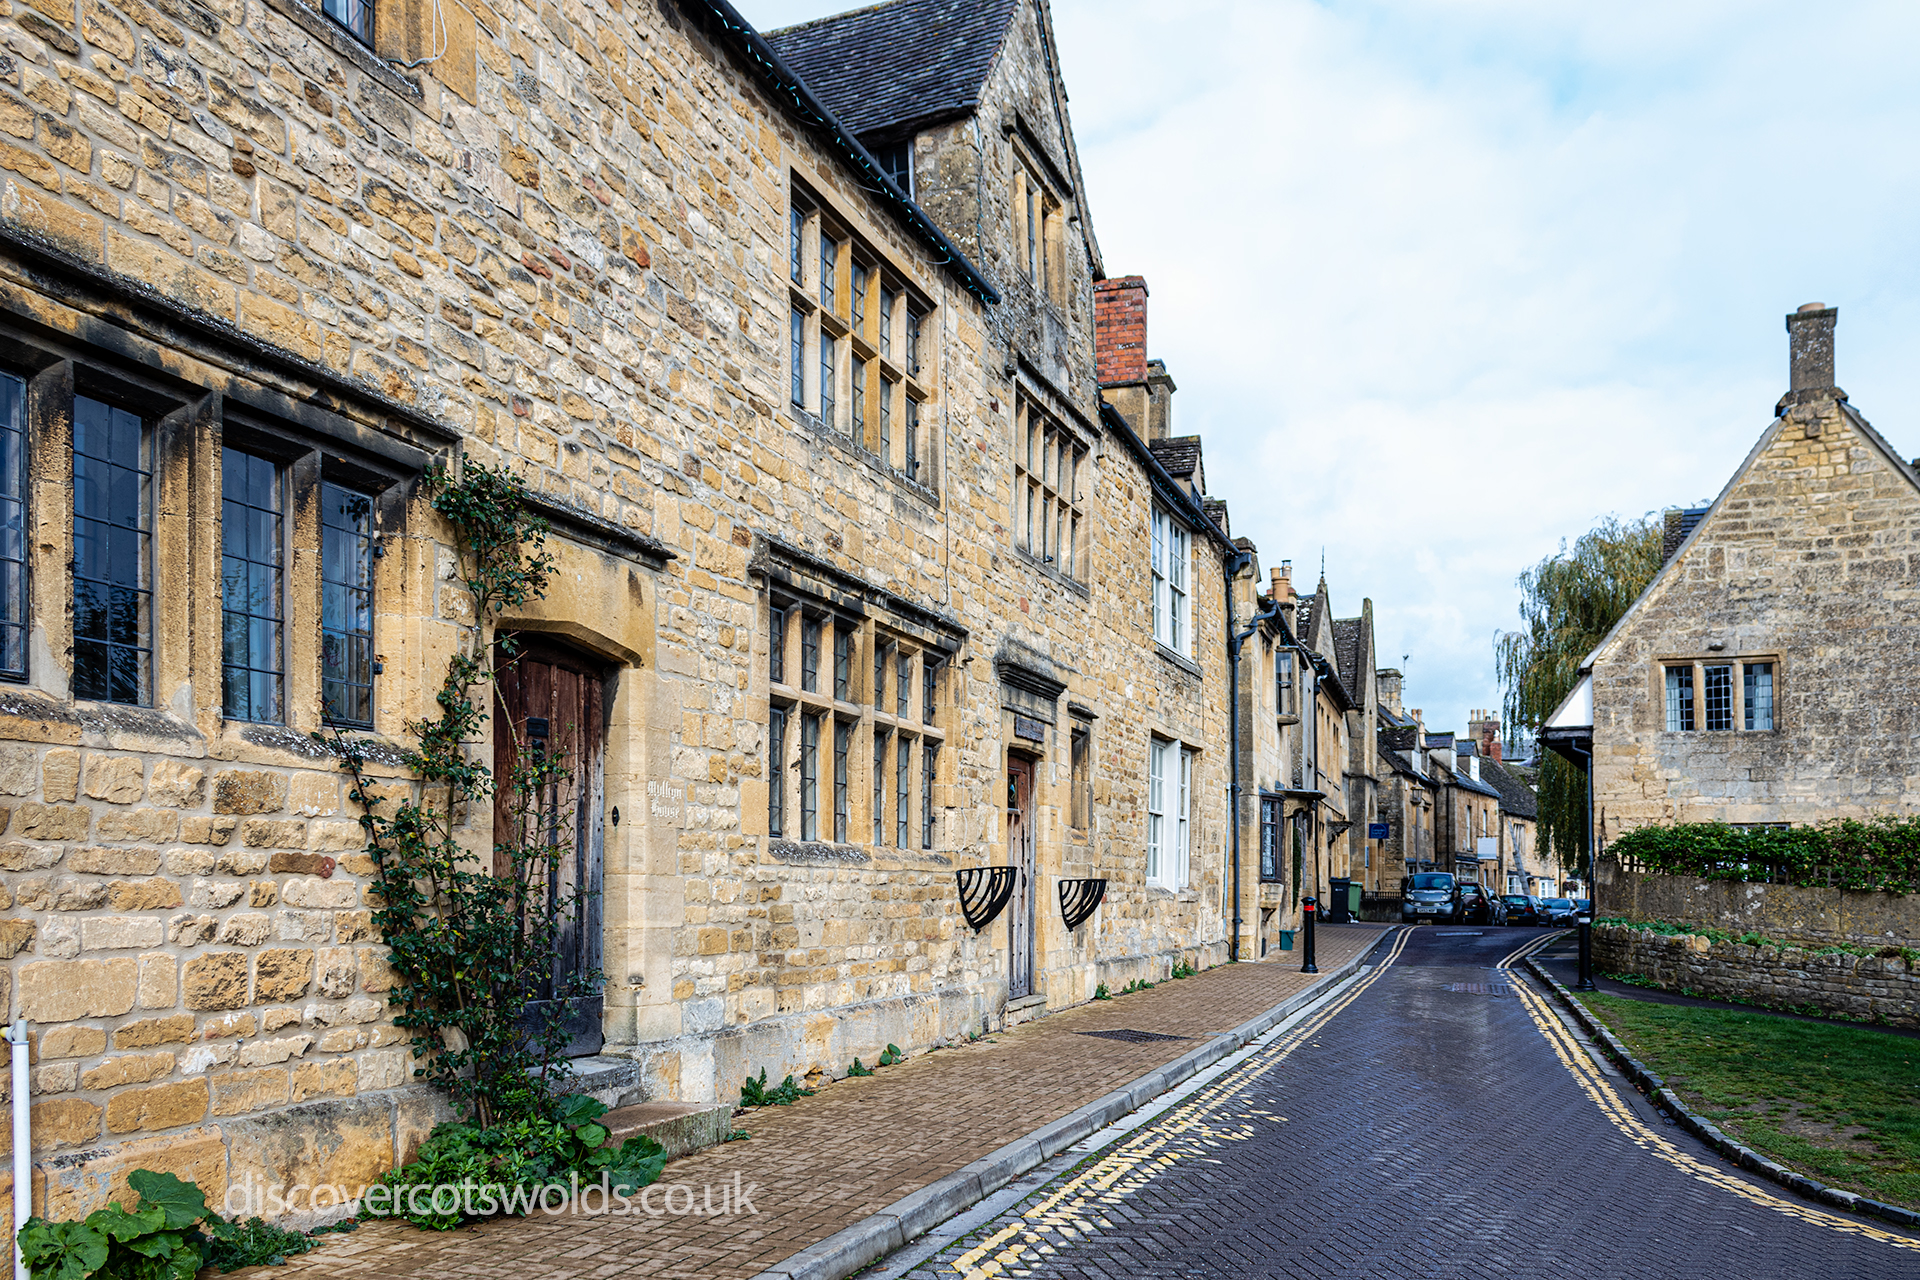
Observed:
{"x":1400,"y":737}
{"x":1178,"y":454}
{"x":1303,"y":617}
{"x":1401,"y":766}
{"x":1516,"y":797}
{"x":1346,"y":650}
{"x":888,"y":67}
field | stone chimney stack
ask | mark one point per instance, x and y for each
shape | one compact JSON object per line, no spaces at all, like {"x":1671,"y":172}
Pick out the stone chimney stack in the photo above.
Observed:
{"x":1810,"y":354}
{"x":1392,"y":685}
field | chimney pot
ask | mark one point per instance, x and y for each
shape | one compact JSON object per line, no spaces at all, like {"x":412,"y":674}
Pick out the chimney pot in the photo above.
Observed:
{"x":1812,"y":306}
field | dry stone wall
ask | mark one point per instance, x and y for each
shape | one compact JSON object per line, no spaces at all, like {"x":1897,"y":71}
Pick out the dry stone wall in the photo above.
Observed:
{"x":1878,"y":988}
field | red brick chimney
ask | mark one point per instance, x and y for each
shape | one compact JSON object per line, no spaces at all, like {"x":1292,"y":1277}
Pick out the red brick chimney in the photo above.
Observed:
{"x":1484,"y":729}
{"x":1120,"y":329}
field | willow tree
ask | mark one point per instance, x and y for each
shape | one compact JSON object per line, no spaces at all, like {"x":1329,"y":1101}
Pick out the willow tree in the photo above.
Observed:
{"x":1568,"y":604}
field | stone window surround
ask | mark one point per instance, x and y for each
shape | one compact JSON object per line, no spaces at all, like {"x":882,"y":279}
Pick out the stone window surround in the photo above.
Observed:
{"x":189,"y":426}
{"x":789,"y":702}
{"x":1737,"y":661}
{"x":860,"y":342}
{"x":1039,"y":252}
{"x":1041,"y":488}
{"x":1080,"y":773}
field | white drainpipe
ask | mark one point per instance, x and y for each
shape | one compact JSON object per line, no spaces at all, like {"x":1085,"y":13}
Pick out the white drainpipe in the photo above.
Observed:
{"x":22,"y":1143}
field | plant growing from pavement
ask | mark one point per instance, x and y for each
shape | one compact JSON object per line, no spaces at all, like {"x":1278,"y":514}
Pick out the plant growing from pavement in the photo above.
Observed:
{"x":755,"y":1093}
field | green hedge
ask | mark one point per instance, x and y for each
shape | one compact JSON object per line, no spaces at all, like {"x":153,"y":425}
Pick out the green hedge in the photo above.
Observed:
{"x":1878,"y":854}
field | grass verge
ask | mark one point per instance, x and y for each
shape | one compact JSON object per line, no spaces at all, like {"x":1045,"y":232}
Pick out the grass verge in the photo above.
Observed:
{"x":1838,"y":1103}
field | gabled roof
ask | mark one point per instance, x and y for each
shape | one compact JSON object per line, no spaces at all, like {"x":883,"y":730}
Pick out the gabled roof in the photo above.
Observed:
{"x":891,"y":67}
{"x":1582,"y":696}
{"x":794,"y":96}
{"x":1346,"y":649}
{"x":1400,"y":765}
{"x":1516,"y":797}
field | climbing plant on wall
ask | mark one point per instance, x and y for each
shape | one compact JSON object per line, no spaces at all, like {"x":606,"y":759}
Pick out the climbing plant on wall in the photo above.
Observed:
{"x":472,"y":936}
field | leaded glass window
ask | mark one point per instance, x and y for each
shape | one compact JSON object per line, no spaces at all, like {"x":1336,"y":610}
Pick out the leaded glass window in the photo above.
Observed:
{"x":113,"y":554}
{"x":252,"y":587}
{"x":346,"y":606}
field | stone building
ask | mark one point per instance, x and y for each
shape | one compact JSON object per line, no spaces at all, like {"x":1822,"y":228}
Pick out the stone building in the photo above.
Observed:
{"x":872,"y":564}
{"x":1466,"y":822}
{"x":1765,"y":674}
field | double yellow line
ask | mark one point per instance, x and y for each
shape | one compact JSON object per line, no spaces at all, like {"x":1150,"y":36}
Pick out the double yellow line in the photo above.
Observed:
{"x":1189,"y":1132}
{"x":1594,"y":1083}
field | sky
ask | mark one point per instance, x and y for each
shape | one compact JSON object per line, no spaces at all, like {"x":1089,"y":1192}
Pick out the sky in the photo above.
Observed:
{"x":1444,"y":282}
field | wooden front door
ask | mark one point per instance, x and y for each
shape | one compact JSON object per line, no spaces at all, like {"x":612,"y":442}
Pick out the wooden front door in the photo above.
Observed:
{"x":1020,"y":824}
{"x":549,"y":701}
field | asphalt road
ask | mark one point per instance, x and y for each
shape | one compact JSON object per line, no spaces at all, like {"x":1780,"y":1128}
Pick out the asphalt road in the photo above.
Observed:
{"x":1436,"y":1119}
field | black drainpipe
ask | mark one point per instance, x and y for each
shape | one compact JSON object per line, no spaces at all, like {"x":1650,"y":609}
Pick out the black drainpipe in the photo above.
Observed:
{"x":1235,"y":566}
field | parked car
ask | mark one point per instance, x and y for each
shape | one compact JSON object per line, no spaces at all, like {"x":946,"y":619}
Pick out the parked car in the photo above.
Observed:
{"x":1581,"y":907}
{"x":1477,"y":906}
{"x":1524,"y":909}
{"x":1559,"y":910}
{"x":1429,"y":897}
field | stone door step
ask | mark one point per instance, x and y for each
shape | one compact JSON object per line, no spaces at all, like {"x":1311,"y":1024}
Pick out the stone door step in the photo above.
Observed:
{"x":681,"y":1127}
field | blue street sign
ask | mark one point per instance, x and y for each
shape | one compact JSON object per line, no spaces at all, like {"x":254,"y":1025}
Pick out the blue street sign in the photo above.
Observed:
{"x":1377,"y":831}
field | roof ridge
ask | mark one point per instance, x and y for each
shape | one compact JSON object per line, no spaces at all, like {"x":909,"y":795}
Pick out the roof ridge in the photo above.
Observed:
{"x":825,"y":18}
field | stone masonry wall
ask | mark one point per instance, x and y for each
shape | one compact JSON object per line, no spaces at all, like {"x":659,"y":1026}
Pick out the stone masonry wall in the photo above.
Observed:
{"x":1883,"y":989}
{"x":1815,"y":916}
{"x":1807,"y":561}
{"x":563,"y":242}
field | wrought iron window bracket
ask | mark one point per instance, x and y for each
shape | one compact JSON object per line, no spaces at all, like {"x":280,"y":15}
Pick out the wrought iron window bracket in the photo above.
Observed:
{"x":984,"y":893}
{"x":1079,"y":899}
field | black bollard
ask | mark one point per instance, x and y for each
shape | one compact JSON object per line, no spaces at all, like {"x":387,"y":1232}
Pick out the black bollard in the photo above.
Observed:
{"x":1586,"y":953}
{"x":1307,"y":965}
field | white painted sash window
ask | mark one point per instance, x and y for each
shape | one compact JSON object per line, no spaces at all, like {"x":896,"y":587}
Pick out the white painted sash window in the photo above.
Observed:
{"x":1169,"y":804}
{"x":1171,"y":552}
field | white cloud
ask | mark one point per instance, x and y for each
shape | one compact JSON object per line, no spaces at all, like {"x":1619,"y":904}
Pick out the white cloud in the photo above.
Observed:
{"x":1443,"y":281}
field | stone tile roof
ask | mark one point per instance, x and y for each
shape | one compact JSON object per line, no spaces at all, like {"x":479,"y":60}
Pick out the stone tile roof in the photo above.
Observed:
{"x":1303,"y":617}
{"x":1346,"y":650}
{"x":1180,"y":455}
{"x":1516,"y":797}
{"x":890,"y":66}
{"x":1400,"y":737}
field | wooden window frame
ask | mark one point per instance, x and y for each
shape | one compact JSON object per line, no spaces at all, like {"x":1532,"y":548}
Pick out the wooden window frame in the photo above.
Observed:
{"x":1051,"y":473}
{"x":859,"y":339}
{"x":851,"y":701}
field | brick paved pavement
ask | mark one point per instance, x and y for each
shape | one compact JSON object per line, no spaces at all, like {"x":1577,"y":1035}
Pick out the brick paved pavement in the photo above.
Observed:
{"x":1422,"y":1131}
{"x":853,"y":1149}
